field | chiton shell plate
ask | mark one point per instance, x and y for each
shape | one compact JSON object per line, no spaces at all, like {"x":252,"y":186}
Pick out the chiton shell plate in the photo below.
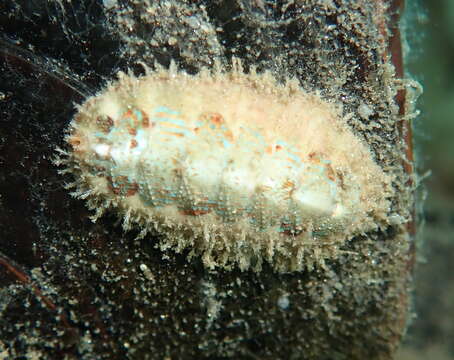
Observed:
{"x":236,"y":167}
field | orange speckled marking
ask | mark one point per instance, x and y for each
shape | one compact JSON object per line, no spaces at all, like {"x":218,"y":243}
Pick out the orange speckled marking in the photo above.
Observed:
{"x":105,"y":123}
{"x":216,"y":118}
{"x":122,"y":186}
{"x":173,"y":133}
{"x":145,"y":120}
{"x":133,"y":188}
{"x":74,"y":141}
{"x":194,"y":212}
{"x":330,"y":172}
{"x":289,"y":230}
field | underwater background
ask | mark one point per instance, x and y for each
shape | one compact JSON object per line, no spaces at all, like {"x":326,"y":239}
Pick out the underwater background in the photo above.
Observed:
{"x":430,"y":60}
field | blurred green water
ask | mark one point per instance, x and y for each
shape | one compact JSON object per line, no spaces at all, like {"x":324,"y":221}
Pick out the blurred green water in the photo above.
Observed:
{"x":430,"y":38}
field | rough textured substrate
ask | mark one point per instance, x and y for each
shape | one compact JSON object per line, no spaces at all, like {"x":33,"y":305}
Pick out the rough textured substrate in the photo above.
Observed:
{"x":118,"y":296}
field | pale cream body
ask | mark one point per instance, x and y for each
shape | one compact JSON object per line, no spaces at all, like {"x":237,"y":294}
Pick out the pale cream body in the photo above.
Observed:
{"x":253,"y":182}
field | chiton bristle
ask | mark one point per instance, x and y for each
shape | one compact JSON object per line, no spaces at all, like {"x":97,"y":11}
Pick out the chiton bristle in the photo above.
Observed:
{"x":237,"y":167}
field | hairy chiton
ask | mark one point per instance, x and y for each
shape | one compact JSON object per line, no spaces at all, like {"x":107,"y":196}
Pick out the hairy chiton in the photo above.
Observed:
{"x":236,"y":167}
